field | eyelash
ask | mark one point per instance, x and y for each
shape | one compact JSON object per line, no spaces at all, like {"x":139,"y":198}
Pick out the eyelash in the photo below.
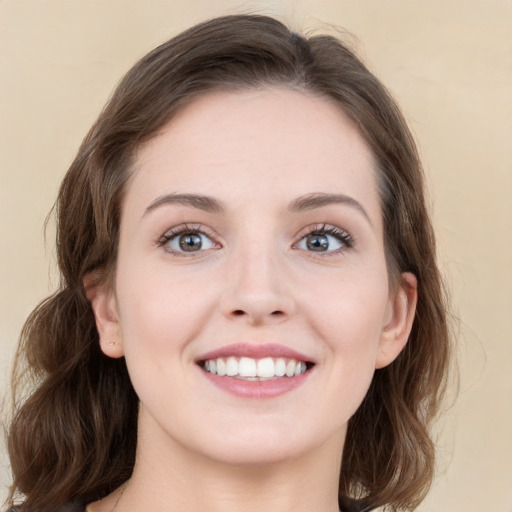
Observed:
{"x":183,"y":230}
{"x":341,"y":235}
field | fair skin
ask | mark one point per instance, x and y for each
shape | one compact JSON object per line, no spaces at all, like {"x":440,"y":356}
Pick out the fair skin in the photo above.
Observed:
{"x":251,"y":229}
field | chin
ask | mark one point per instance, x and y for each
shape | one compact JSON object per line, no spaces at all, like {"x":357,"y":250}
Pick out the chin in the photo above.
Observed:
{"x":255,"y":455}
{"x":263,"y":445}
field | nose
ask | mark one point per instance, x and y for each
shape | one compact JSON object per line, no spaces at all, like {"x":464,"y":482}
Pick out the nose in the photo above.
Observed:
{"x":258,"y":291}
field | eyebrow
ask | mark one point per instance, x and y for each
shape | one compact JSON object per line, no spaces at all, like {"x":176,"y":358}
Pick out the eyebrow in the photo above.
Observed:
{"x":206,"y":203}
{"x":317,"y":200}
{"x":302,"y":203}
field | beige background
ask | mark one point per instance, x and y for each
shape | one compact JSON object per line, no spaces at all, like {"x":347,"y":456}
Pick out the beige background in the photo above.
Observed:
{"x":449,"y":63}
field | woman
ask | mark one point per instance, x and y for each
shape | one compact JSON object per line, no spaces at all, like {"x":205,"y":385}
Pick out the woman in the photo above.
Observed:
{"x":251,"y":313}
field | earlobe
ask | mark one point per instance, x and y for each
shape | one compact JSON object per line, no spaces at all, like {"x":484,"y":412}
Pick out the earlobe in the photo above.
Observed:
{"x":104,"y":306}
{"x":400,"y":317}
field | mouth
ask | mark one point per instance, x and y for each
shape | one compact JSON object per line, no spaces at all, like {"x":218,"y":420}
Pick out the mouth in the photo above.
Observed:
{"x":256,"y":369}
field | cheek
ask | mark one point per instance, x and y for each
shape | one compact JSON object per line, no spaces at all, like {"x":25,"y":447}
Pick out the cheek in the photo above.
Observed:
{"x":154,"y":301}
{"x":348,"y":320}
{"x":159,"y":315}
{"x":158,"y":320}
{"x":349,"y":308}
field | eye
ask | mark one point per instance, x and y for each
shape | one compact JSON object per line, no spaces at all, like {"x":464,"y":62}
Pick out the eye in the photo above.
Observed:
{"x":326,"y":239}
{"x":187,"y":240}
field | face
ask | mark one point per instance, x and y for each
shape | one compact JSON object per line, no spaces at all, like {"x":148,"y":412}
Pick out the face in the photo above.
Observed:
{"x":251,"y":295}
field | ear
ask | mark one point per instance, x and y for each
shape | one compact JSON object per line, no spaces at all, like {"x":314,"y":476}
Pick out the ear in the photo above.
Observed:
{"x":104,"y":306}
{"x":398,"y":321}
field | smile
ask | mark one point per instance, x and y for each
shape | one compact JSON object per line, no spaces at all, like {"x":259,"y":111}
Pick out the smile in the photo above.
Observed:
{"x":256,"y":371}
{"x":248,"y":368}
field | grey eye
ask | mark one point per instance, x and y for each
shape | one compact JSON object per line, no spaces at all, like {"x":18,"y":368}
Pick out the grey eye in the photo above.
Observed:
{"x":317,"y":242}
{"x":190,"y":242}
{"x":320,"y":242}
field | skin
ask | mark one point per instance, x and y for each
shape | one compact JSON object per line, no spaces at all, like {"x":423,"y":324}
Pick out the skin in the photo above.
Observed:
{"x":254,"y":280}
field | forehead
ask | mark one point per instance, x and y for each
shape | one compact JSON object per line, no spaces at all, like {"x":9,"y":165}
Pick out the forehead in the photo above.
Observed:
{"x":273,"y":141}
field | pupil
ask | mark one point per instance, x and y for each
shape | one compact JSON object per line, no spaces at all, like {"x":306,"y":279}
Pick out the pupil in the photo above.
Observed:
{"x":190,"y":242}
{"x":317,"y":242}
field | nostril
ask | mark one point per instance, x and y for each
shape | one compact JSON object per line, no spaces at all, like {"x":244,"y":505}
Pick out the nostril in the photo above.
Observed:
{"x":257,"y":315}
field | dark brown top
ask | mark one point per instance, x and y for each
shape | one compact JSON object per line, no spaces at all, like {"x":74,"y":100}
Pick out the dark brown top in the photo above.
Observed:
{"x":70,"y":506}
{"x":78,"y":506}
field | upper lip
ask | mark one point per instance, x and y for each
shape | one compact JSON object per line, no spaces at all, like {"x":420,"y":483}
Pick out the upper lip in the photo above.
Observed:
{"x":255,"y":351}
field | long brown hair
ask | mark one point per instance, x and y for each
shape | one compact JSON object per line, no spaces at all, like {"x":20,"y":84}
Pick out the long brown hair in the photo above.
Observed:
{"x":74,"y":434}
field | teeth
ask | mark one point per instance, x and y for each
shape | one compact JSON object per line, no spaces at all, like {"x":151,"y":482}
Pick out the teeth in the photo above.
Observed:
{"x":290,"y":368}
{"x":221,"y":367}
{"x":280,"y":367}
{"x":255,"y":369}
{"x":247,"y":367}
{"x":266,"y":367}
{"x":231,"y":367}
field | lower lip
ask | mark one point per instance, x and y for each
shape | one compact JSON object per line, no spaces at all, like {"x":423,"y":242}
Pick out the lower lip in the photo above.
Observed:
{"x":257,"y":389}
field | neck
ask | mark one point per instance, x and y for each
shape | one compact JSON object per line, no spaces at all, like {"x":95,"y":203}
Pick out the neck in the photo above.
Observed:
{"x":168,"y":477}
